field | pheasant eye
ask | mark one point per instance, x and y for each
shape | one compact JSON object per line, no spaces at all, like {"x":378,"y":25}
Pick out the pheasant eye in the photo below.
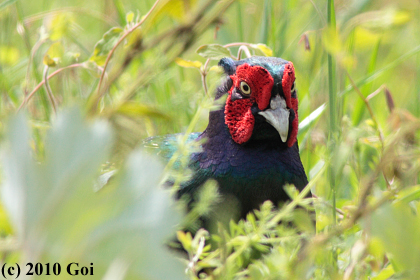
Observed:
{"x":245,"y":88}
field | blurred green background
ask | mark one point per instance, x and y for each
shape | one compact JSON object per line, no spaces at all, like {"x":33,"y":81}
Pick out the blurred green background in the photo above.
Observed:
{"x":367,"y":164}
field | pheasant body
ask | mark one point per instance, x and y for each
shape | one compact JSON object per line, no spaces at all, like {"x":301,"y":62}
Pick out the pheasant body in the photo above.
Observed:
{"x":250,"y":145}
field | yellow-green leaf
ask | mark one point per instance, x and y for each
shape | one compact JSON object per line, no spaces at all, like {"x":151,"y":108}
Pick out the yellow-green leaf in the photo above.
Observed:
{"x":213,"y":51}
{"x":292,"y":191}
{"x":263,"y":48}
{"x":185,"y":239}
{"x":385,"y":273}
{"x":49,"y":61}
{"x":129,"y":17}
{"x":56,"y":51}
{"x":216,"y":68}
{"x":188,"y":63}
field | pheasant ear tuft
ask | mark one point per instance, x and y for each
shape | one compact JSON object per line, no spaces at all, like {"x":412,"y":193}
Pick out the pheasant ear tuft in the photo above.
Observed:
{"x":228,"y":65}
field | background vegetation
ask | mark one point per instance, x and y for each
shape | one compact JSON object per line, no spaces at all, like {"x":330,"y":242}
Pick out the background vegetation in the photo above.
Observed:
{"x":358,"y":79}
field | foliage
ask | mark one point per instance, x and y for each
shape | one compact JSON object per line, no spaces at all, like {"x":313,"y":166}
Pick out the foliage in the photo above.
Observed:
{"x":358,"y":78}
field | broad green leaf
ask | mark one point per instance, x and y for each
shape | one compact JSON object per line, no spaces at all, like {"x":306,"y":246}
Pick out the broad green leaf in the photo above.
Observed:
{"x":146,"y":218}
{"x":188,"y":63}
{"x":104,"y":46}
{"x":18,"y":168}
{"x":58,"y":215}
{"x":213,"y":51}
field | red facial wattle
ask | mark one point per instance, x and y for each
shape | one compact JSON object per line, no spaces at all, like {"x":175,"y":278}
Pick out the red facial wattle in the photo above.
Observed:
{"x":292,"y":102}
{"x":238,"y":116}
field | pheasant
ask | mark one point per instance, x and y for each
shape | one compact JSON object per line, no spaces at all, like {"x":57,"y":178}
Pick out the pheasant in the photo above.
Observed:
{"x":249,"y":146}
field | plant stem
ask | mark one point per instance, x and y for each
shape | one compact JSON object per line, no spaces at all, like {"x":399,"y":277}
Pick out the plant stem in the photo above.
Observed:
{"x":120,"y":40}
{"x":29,"y":96}
{"x":48,"y":90}
{"x":333,"y":106}
{"x":333,"y":131}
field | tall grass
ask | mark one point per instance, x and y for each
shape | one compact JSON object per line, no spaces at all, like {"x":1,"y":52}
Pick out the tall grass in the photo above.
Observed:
{"x":333,"y":116}
{"x":359,"y":58}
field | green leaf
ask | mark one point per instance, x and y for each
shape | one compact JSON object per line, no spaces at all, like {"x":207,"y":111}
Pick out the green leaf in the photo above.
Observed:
{"x":185,"y":239}
{"x":263,"y":48}
{"x":214,"y":51}
{"x":173,"y":8}
{"x":129,"y":17}
{"x":105,"y":45}
{"x":291,"y":191}
{"x":188,"y":63}
{"x":47,"y":60}
{"x":54,"y":54}
{"x":216,"y":68}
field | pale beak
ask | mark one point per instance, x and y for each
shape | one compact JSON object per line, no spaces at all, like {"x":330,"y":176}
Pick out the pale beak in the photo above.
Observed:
{"x":278,"y":116}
